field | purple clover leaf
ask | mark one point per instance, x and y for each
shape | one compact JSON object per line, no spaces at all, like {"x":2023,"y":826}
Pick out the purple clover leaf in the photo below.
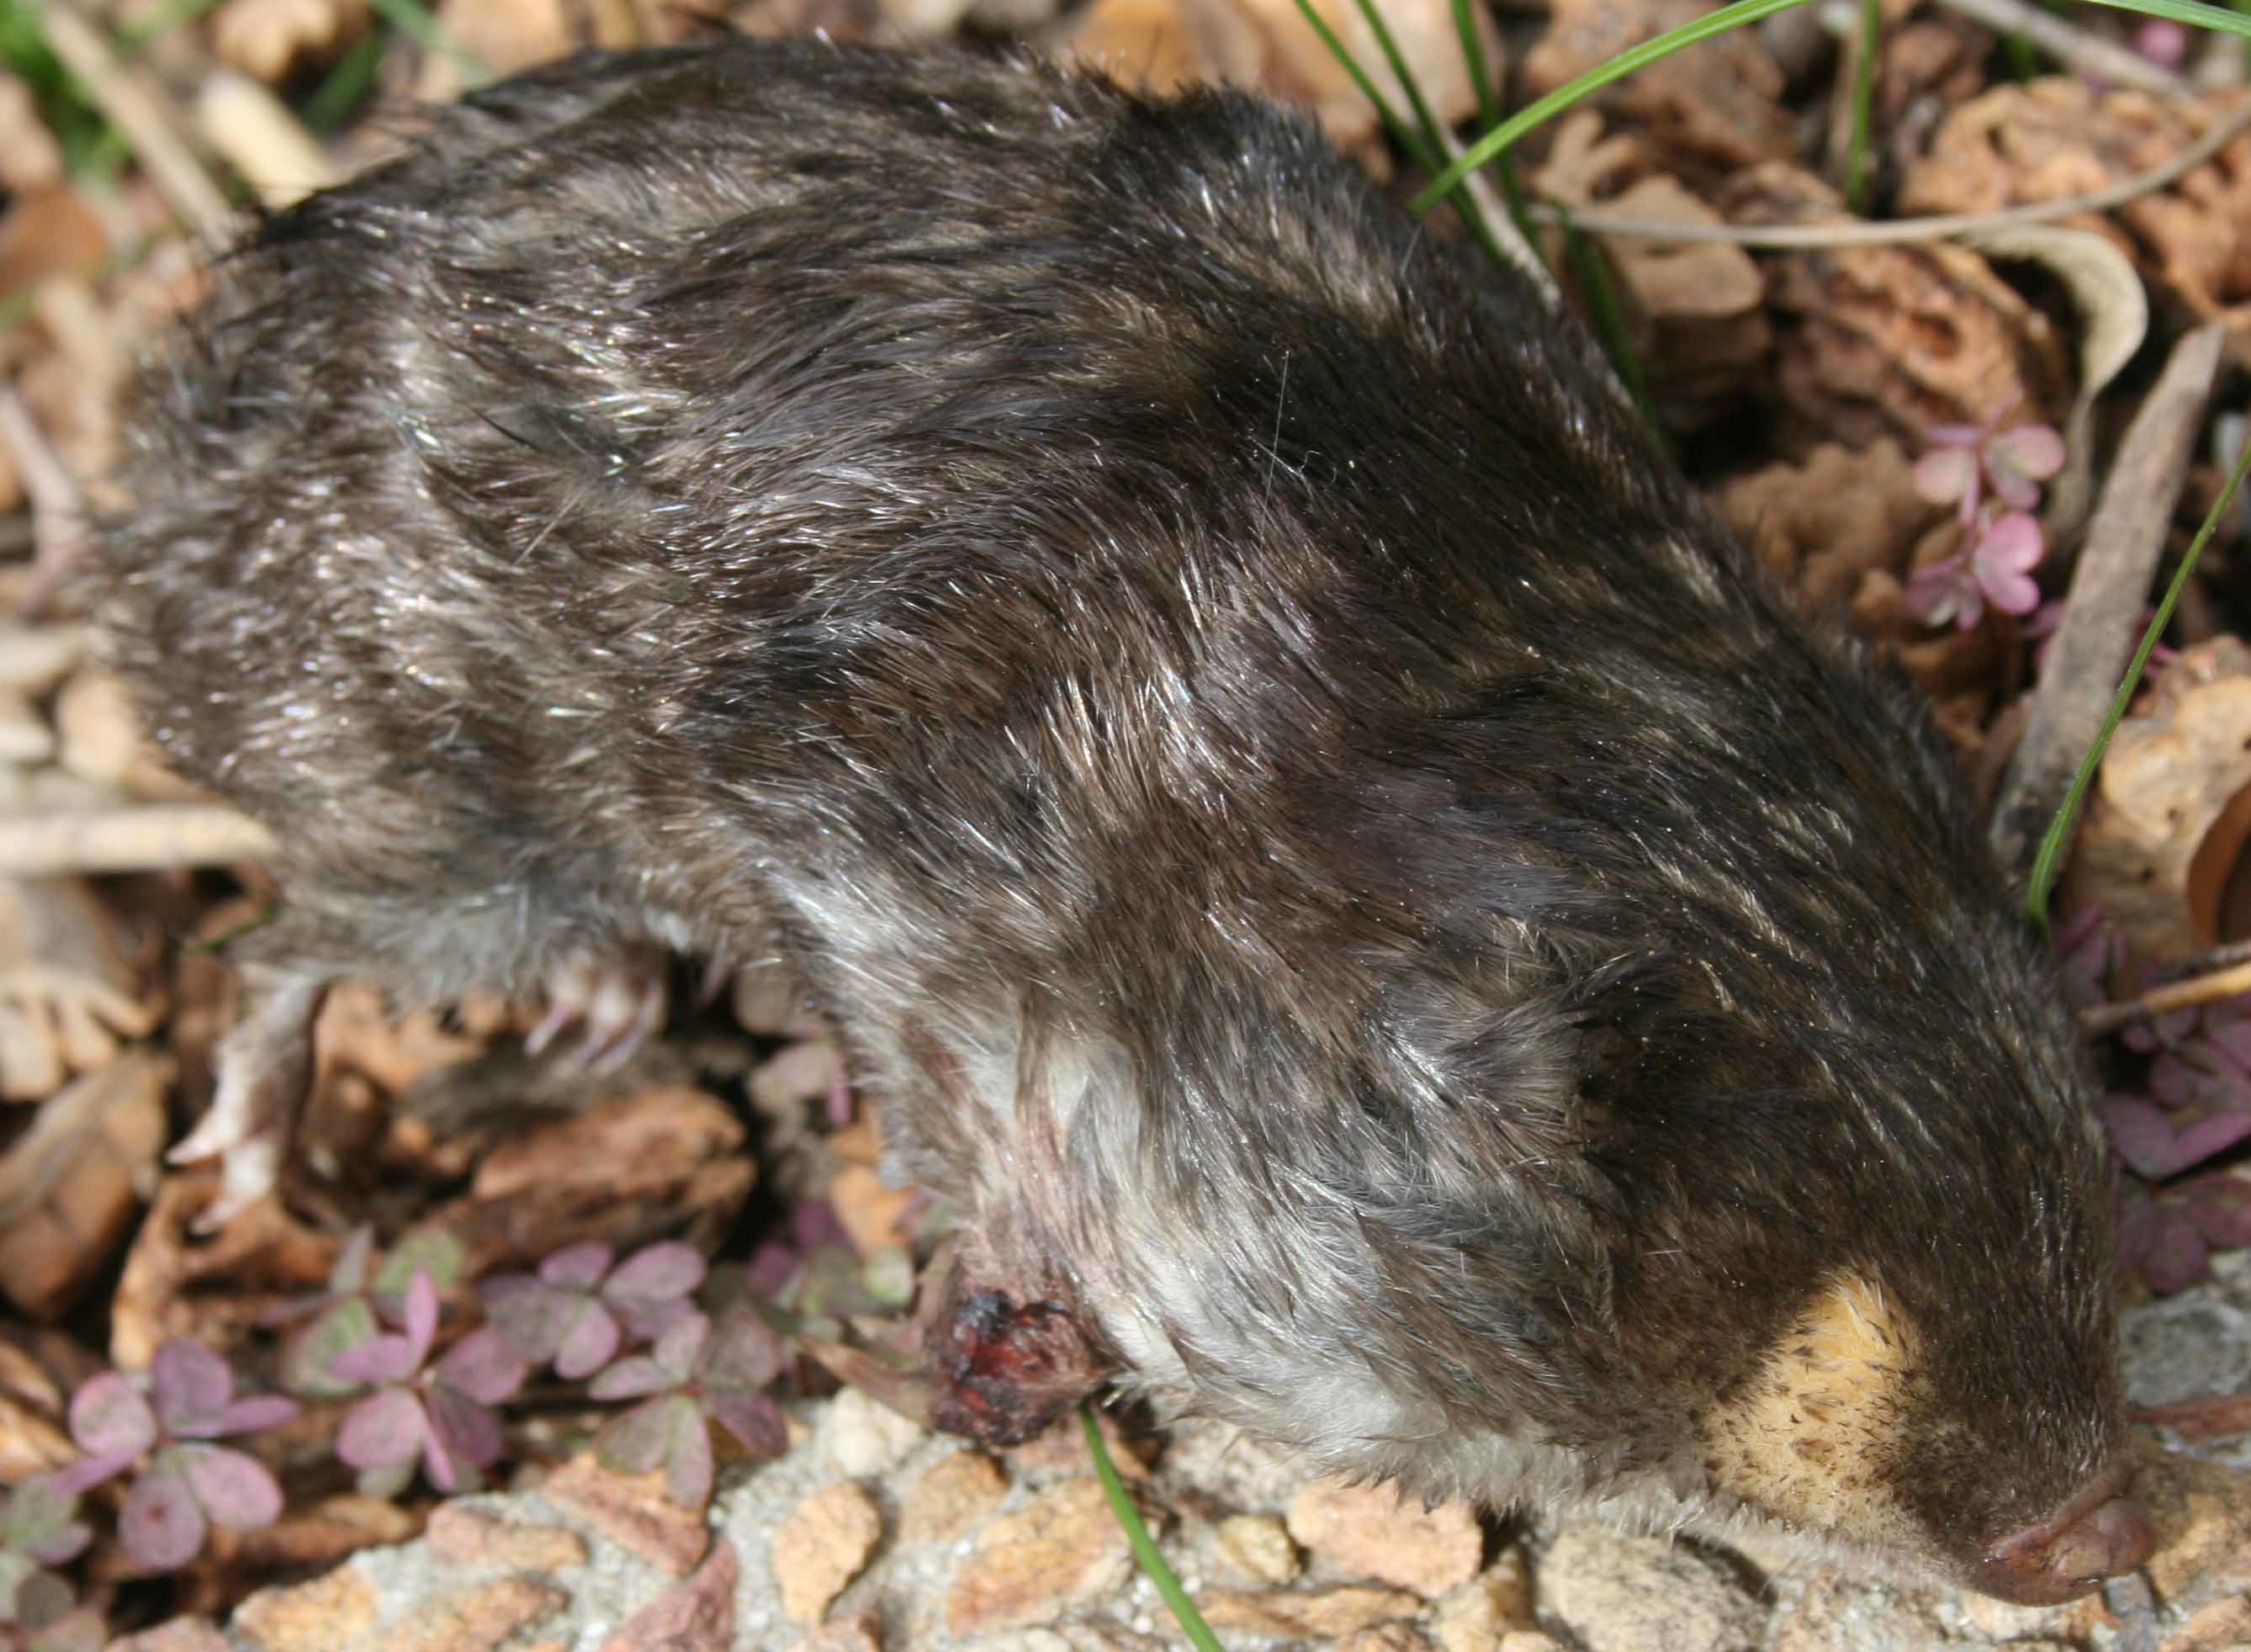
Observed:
{"x":699,"y":1371}
{"x":437,"y":1416}
{"x":40,"y":1615}
{"x":40,"y":1525}
{"x":2168,"y":1235}
{"x":39,"y":1528}
{"x":577,"y":1309}
{"x":186,"y":1485}
{"x":2089,"y":953}
{"x":340,"y":1317}
{"x":2157,"y":1143}
{"x":2160,"y":1243}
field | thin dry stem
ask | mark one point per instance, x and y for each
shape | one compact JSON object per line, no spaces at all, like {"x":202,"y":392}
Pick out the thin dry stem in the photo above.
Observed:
{"x":143,"y":113}
{"x":1936,"y":226}
{"x":156,"y":838}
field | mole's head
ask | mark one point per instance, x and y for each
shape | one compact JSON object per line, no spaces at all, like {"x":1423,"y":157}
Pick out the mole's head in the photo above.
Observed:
{"x":1716,"y":1148}
{"x":1784,"y":1203}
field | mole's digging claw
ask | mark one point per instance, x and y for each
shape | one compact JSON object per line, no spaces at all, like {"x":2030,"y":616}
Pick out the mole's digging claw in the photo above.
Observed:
{"x":265,"y":1071}
{"x":621,"y":997}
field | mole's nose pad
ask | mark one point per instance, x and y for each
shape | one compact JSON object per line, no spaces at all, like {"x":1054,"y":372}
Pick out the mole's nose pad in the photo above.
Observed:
{"x":2062,"y":1559}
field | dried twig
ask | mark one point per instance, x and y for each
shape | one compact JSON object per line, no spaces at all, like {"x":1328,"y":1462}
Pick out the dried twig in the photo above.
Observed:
{"x":142,"y":113}
{"x":2108,"y":588}
{"x":59,"y":518}
{"x":2075,"y":48}
{"x":1933,"y":227}
{"x":156,"y":838}
{"x":2163,"y":1001}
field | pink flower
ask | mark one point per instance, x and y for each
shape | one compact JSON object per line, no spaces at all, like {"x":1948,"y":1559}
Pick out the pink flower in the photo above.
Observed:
{"x":2002,"y":560}
{"x":1965,"y":458}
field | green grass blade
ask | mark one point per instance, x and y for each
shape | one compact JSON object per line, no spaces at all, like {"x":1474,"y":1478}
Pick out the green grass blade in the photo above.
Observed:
{"x":1864,"y":99}
{"x":2049,"y":860}
{"x":2189,"y":11}
{"x":1145,"y":1546}
{"x":416,"y":22}
{"x":1653,"y":51}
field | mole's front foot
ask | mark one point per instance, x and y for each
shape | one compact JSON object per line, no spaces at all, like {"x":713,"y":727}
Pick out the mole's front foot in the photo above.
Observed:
{"x":265,"y":1071}
{"x":1007,"y":1364}
{"x":621,"y":998}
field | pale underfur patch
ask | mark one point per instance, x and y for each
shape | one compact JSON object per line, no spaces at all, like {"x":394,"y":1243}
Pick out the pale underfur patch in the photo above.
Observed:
{"x":1805,"y":1441}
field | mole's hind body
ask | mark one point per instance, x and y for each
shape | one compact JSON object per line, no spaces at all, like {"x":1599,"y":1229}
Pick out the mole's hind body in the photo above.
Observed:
{"x":1319,"y":844}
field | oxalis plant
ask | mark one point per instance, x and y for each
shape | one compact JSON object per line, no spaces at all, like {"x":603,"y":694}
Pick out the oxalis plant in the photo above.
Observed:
{"x":680,"y":1357}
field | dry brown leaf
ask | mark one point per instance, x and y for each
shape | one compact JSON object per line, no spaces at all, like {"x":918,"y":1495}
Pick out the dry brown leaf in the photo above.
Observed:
{"x":2019,"y":145}
{"x":30,"y":157}
{"x":670,"y":1161}
{"x":265,"y":38}
{"x":1701,"y":304}
{"x":1267,"y":45}
{"x":508,"y":35}
{"x":46,"y":232}
{"x":66,"y":994}
{"x":2170,"y":817}
{"x":71,"y":1186}
{"x":1881,"y":340}
{"x":216,"y":1288}
{"x":1711,"y":110}
{"x":1823,"y":525}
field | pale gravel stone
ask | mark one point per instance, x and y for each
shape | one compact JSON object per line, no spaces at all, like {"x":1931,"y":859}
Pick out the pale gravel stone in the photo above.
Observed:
{"x":864,"y":1437}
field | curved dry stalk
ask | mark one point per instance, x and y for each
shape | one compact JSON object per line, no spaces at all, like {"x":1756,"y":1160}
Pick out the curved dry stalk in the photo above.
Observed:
{"x":1936,"y":226}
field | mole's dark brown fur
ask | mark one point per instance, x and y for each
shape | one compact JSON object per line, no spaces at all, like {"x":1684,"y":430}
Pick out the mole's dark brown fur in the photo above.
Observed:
{"x":1320,"y":844}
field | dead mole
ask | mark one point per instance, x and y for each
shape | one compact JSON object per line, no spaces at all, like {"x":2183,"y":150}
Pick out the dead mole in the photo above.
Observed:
{"x":1379,"y":915}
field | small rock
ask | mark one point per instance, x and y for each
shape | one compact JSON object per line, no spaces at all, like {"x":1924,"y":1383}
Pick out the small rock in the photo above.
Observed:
{"x":697,"y":1614}
{"x":1256,"y":1547}
{"x":1644,"y":1594}
{"x":2224,"y":1624}
{"x":1083,"y":1635}
{"x":1529,"y":1641}
{"x":318,"y":1616}
{"x":1062,"y":1547}
{"x":633,"y":1511}
{"x":1323,"y":1613}
{"x":1999,"y":1620}
{"x":1371,"y":1531}
{"x":1385,"y":1637}
{"x":474,"y":1619}
{"x":1231,"y":1467}
{"x":864,"y":1437}
{"x":821,"y":1547}
{"x":863,"y":1631}
{"x":181,"y":1634}
{"x":1475,"y":1617}
{"x":1836,"y":1610}
{"x":463,"y":1535}
{"x":1061,"y":1448}
{"x":950,"y":1495}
